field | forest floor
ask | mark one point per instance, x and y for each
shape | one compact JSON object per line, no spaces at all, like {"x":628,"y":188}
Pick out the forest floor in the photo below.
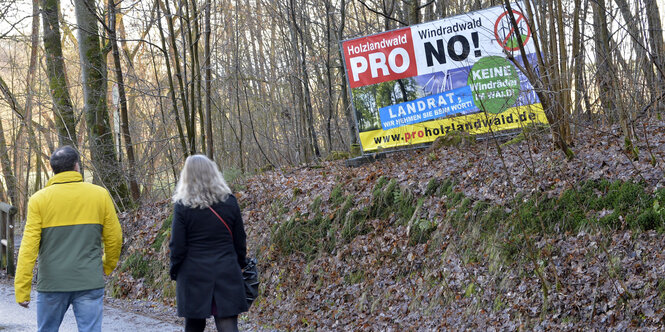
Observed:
{"x":464,"y":235}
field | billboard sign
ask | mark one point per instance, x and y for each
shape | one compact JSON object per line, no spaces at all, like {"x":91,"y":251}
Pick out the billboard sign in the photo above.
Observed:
{"x":414,"y":84}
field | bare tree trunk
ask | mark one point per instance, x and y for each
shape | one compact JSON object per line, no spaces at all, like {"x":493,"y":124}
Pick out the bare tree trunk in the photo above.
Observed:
{"x":7,"y":169}
{"x":104,"y":160}
{"x":329,"y":69}
{"x":442,"y":7}
{"x":606,"y":72}
{"x":656,"y":42}
{"x":414,"y":11}
{"x":236,"y":59}
{"x":543,"y":85}
{"x":32,"y":66}
{"x":172,"y":87}
{"x":63,"y":112}
{"x":124,"y":117}
{"x":579,"y":15}
{"x":350,"y":119}
{"x":178,"y":73}
{"x":251,"y":123}
{"x":161,"y":109}
{"x":635,"y":32}
{"x":604,"y":65}
{"x":210,"y":151}
{"x":565,"y":75}
{"x":196,"y":75}
{"x":577,"y":59}
{"x":27,"y":120}
{"x":195,"y":72}
{"x":309,"y":116}
{"x":388,"y":10}
{"x":429,"y":12}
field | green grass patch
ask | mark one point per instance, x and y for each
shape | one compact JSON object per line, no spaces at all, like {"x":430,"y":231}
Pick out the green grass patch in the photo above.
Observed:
{"x":660,"y":286}
{"x":313,"y":233}
{"x":598,"y":204}
{"x":305,"y":235}
{"x":421,"y":231}
{"x":488,"y":229}
{"x":288,"y":236}
{"x":389,"y":198}
{"x":354,"y":277}
{"x":337,"y":155}
{"x":337,"y":195}
{"x":497,"y":232}
{"x":354,"y":224}
{"x":235,"y":178}
{"x":164,"y":231}
{"x":140,"y":266}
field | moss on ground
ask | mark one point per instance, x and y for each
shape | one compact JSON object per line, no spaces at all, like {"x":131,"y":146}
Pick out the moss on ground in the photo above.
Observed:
{"x":485,"y":229}
{"x":163,"y":233}
{"x":600,"y":205}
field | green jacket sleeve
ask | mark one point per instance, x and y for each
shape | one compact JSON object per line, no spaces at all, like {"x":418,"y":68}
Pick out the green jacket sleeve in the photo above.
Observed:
{"x":27,"y":254}
{"x":112,"y":237}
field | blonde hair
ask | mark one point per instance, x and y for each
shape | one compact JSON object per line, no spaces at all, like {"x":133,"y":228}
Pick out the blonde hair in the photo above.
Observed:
{"x":201,"y":184}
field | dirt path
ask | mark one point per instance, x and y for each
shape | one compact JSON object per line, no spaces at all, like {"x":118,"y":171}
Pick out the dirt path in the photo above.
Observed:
{"x":119,"y":315}
{"x":16,"y":318}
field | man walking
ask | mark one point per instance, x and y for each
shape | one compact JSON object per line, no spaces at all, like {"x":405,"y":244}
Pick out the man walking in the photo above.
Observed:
{"x":69,"y":224}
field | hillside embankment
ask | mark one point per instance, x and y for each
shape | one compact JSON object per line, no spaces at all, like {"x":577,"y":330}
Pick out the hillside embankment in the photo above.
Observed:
{"x":490,"y":235}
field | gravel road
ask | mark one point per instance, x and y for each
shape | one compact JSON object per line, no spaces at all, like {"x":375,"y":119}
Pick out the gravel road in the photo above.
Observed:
{"x":18,"y":319}
{"x":119,"y":315}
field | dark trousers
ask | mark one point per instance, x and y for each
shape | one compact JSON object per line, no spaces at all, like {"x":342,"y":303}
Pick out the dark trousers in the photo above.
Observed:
{"x":223,"y":324}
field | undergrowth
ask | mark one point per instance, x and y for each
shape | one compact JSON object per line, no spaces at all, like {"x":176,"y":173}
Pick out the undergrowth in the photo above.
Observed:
{"x":312,"y":232}
{"x":600,"y":205}
{"x":146,"y":264}
{"x":484,"y":230}
{"x":163,"y":233}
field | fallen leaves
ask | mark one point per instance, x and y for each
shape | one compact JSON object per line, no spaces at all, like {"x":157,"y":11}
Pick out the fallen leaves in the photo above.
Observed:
{"x":379,"y":282}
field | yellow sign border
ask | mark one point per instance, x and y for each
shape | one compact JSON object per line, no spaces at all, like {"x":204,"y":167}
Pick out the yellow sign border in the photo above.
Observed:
{"x":478,"y":123}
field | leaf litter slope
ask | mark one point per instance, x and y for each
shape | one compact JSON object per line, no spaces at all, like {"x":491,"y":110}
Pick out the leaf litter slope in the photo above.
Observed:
{"x":458,"y":276}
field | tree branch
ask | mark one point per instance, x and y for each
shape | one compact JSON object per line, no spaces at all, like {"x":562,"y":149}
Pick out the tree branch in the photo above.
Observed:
{"x":427,"y":4}
{"x":382,"y":14}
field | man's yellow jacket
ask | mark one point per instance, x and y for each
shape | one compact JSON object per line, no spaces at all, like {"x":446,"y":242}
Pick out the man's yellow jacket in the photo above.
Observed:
{"x":73,"y":227}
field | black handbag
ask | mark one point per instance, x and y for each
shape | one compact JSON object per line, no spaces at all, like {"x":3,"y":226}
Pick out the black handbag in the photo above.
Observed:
{"x":250,"y":274}
{"x":251,"y":277}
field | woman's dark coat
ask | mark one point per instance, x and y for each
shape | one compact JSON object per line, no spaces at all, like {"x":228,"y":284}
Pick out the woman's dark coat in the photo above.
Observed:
{"x":206,"y":261}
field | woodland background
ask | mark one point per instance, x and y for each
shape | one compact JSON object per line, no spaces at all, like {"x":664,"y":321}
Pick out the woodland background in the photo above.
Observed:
{"x":557,"y":227}
{"x":259,"y":84}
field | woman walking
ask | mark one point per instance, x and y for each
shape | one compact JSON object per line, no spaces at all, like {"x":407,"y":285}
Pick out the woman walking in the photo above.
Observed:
{"x":207,"y":254}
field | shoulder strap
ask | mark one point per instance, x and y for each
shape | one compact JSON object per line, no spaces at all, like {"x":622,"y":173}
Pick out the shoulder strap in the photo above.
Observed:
{"x":220,"y":218}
